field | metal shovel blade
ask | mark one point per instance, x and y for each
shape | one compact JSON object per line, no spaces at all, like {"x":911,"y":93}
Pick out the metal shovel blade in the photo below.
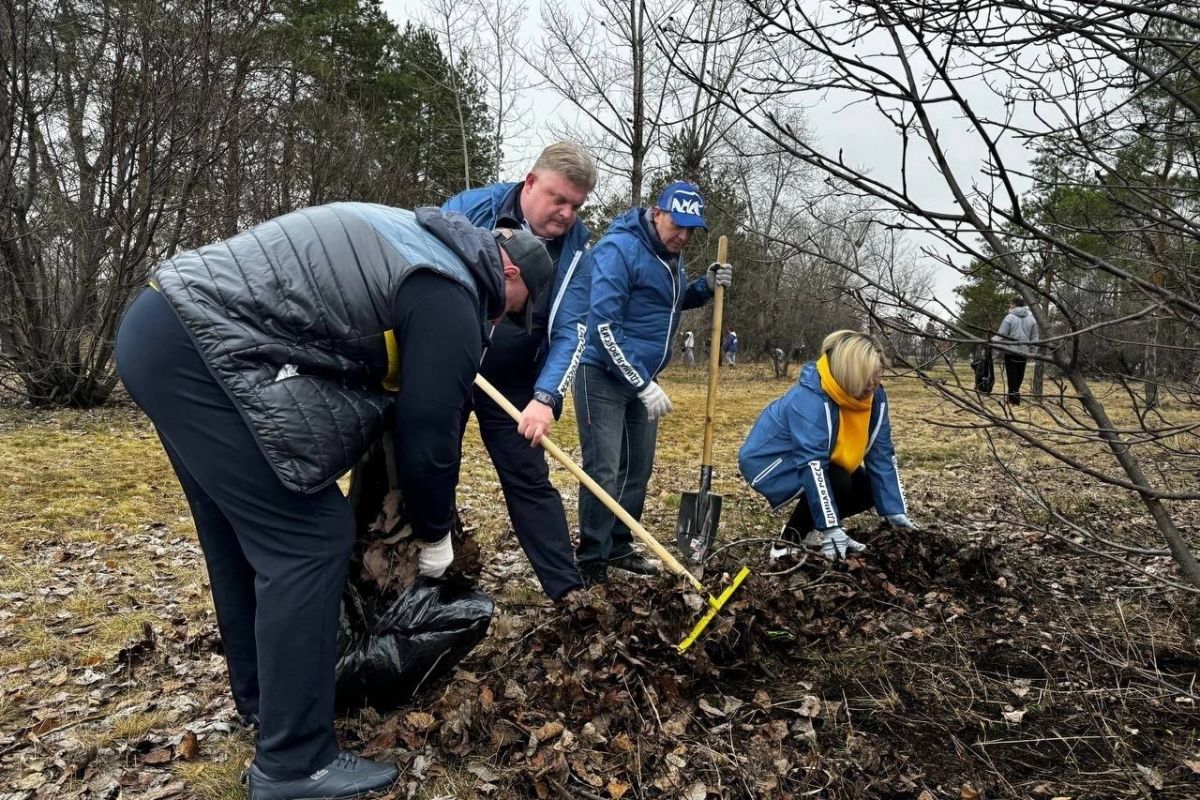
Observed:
{"x":696,"y":528}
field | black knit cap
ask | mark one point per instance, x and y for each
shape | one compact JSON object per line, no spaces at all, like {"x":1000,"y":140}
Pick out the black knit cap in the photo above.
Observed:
{"x":531,"y":257}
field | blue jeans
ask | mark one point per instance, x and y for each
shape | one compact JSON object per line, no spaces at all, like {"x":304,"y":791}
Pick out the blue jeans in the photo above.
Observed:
{"x":617,"y":440}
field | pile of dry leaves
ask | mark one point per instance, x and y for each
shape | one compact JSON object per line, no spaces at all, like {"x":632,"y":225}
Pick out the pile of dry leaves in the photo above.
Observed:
{"x":931,"y":666}
{"x":923,"y":669}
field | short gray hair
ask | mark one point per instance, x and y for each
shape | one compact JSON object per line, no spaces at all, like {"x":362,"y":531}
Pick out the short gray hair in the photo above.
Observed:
{"x":571,"y":161}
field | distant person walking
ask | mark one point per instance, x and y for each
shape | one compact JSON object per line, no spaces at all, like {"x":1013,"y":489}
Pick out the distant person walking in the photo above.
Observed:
{"x":689,"y":349}
{"x":1018,"y":329}
{"x":778,"y":362}
{"x":730,"y":347}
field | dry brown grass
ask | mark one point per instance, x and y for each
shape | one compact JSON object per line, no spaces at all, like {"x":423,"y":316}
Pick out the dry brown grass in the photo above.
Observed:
{"x":82,"y":485}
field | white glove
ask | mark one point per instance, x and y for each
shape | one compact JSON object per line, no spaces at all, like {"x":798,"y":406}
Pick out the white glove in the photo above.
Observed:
{"x":656,"y":401}
{"x":835,"y":544}
{"x":435,"y":557}
{"x":719,"y":275}
{"x":900,"y":521}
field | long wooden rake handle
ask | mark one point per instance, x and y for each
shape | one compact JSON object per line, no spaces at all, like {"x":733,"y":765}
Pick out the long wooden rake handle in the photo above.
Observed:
{"x":596,"y":489}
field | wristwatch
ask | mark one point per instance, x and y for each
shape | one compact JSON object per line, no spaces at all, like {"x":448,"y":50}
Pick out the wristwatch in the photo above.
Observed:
{"x":545,"y":398}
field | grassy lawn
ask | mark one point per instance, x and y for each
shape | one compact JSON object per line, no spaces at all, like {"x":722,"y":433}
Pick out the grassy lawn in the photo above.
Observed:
{"x":107,"y":637}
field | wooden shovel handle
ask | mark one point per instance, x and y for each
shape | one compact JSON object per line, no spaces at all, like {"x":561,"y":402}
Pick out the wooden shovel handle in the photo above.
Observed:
{"x":595,"y":488}
{"x":714,"y":357}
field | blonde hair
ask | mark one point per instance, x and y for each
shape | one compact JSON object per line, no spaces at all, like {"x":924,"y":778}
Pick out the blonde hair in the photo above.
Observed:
{"x":853,"y":359}
{"x":569,"y":160}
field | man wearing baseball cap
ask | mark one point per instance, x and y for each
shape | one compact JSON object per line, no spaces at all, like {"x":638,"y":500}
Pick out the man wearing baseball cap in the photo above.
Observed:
{"x":529,"y":255}
{"x":639,"y":289}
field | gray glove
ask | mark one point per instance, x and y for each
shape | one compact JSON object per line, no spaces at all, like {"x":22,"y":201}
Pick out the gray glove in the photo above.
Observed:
{"x":835,"y":544}
{"x":656,"y":401}
{"x":900,"y":521}
{"x":435,"y":557}
{"x":719,"y":275}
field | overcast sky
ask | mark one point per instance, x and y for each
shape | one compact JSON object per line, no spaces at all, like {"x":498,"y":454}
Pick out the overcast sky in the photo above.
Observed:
{"x":859,"y":130}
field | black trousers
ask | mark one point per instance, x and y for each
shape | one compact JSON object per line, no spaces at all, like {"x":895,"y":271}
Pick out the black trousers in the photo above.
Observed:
{"x":534,"y":505}
{"x":851,"y":492}
{"x":1014,"y":370}
{"x":277,"y":559}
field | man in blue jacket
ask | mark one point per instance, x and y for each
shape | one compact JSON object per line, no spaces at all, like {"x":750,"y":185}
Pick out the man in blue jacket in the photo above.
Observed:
{"x":639,"y":288}
{"x":533,"y":361}
{"x":731,"y":349}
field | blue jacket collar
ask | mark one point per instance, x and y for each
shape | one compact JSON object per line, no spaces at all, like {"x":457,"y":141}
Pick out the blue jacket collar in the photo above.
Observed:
{"x":651,"y":235}
{"x":509,"y":207}
{"x":810,"y":378}
{"x":574,"y":239}
{"x":636,"y":222}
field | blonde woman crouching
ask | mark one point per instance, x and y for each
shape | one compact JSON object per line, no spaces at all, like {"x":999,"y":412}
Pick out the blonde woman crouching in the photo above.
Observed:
{"x":828,"y":443}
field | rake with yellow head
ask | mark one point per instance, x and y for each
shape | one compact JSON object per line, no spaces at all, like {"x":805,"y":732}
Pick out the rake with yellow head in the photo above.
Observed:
{"x":714,"y":603}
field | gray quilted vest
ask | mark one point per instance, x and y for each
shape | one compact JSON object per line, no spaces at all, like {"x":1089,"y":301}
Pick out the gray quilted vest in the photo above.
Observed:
{"x":294,"y":318}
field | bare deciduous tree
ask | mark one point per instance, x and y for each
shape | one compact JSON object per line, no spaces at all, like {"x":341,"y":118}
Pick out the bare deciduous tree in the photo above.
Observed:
{"x":607,"y":65}
{"x":111,"y":115}
{"x":128,"y":131}
{"x":452,"y":21}
{"x":498,"y":54}
{"x":1109,"y":93}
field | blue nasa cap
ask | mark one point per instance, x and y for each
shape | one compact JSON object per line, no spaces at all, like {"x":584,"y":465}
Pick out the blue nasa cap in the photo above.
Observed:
{"x":685,"y":204}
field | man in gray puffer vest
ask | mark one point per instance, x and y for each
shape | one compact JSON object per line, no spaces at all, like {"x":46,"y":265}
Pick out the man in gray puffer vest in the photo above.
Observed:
{"x":1018,"y":329}
{"x":268,"y":363}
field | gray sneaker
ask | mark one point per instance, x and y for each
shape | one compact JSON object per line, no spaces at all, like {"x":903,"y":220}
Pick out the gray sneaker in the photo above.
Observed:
{"x":344,"y":777}
{"x":636,"y":563}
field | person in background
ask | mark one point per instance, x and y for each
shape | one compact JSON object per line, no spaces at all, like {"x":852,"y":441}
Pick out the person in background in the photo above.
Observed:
{"x":730,"y":347}
{"x":639,"y":289}
{"x":689,"y":349}
{"x":828,"y":442}
{"x":269,"y":363}
{"x":778,"y":363}
{"x":534,"y":364}
{"x":1017,"y":330}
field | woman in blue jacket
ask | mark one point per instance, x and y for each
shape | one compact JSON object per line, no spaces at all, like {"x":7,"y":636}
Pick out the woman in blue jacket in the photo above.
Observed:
{"x":828,"y":441}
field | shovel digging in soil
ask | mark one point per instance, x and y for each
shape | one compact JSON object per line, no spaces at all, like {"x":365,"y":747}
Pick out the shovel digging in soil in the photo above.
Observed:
{"x":700,"y":512}
{"x":714,"y":603}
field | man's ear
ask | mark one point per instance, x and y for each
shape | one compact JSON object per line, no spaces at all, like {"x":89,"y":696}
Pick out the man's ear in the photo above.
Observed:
{"x":530,"y":180}
{"x":511,"y":271}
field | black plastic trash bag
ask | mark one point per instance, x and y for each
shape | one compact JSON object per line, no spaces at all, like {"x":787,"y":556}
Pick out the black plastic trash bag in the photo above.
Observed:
{"x":985,"y":373}
{"x":417,"y":640}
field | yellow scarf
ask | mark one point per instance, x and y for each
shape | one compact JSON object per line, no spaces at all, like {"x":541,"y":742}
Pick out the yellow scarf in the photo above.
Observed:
{"x":851,"y":446}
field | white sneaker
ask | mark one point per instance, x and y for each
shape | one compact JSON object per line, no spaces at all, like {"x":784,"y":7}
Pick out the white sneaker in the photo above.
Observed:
{"x":775,"y":553}
{"x":778,"y":550}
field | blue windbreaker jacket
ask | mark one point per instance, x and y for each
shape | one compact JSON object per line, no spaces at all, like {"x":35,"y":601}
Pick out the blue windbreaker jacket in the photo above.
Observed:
{"x":569,"y":302}
{"x":636,"y":300}
{"x":787,"y":451}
